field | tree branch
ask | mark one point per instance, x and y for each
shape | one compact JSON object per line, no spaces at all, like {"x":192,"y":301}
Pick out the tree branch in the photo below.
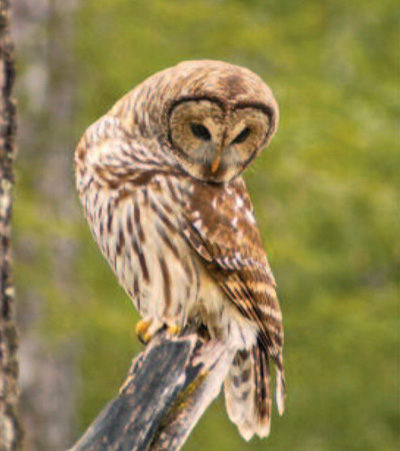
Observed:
{"x":169,"y":386}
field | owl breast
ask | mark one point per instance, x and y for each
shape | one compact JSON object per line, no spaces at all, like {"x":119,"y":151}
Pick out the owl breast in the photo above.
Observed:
{"x":137,"y":230}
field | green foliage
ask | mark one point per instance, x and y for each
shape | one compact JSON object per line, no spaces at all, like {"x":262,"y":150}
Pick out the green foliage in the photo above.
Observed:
{"x":323,"y":192}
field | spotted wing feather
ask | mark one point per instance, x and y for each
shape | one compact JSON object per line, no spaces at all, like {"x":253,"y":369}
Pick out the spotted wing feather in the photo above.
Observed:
{"x":227,"y":239}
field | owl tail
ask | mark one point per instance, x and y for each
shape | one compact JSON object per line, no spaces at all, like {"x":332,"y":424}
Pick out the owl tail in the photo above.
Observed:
{"x":248,"y":392}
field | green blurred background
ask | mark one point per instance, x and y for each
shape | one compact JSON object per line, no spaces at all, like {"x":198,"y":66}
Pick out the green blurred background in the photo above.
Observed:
{"x":324,"y":194}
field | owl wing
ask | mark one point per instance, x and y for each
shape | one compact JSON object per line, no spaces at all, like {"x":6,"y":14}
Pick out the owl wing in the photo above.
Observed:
{"x":222,"y":230}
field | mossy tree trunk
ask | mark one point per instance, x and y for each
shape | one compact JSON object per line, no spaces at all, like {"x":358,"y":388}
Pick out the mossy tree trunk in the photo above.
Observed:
{"x":10,"y":427}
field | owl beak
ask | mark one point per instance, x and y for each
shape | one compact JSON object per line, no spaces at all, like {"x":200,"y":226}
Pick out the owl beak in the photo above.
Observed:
{"x":217,"y":160}
{"x":215,"y":164}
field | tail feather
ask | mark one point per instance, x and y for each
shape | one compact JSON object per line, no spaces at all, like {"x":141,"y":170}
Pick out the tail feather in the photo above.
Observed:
{"x":280,"y":386}
{"x":248,"y":394}
{"x":238,"y":388}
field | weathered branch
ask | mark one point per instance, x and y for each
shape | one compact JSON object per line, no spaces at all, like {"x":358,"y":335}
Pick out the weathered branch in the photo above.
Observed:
{"x":10,"y":429}
{"x":168,"y":388}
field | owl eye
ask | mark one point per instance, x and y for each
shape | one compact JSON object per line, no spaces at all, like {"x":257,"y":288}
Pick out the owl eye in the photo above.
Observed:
{"x":199,"y":131}
{"x":242,"y":136}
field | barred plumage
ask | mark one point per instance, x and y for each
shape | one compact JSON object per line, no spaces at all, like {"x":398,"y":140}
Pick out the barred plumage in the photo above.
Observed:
{"x":159,"y":180}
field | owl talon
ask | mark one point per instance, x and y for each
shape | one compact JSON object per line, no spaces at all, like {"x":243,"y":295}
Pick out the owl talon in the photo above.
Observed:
{"x":147,"y":337}
{"x":174,"y":330}
{"x":142,"y":330}
{"x":146,"y":329}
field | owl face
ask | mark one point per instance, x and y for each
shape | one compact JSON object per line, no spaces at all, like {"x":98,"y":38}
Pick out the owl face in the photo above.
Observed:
{"x":214,"y":143}
{"x":213,"y":117}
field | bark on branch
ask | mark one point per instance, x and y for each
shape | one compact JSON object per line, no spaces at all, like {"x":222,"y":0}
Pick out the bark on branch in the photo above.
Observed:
{"x":169,"y":386}
{"x":10,"y":429}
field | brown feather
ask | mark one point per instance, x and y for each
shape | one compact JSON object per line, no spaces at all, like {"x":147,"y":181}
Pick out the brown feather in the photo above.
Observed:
{"x":229,"y":242}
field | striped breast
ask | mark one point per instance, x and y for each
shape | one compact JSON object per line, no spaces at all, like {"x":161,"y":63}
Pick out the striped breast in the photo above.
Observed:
{"x":138,"y":232}
{"x":132,"y":203}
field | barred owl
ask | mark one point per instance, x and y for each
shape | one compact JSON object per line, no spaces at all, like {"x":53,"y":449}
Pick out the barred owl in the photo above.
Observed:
{"x":159,"y":177}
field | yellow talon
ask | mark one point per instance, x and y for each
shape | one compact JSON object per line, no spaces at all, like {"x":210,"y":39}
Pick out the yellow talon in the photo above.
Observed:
{"x":142,"y":330}
{"x":147,"y":337}
{"x":146,"y":329}
{"x":174,"y":330}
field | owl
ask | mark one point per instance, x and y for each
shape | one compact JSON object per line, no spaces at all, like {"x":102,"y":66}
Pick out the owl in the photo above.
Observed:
{"x":160,"y":180}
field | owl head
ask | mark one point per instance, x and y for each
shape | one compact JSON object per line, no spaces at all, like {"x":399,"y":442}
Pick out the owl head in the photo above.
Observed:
{"x":213,"y":117}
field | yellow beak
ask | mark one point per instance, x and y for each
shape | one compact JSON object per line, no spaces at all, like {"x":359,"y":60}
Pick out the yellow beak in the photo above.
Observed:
{"x":215,"y":164}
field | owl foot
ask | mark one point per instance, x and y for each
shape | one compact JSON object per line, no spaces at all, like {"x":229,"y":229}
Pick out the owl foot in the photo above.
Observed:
{"x":146,"y":329}
{"x":174,"y":330}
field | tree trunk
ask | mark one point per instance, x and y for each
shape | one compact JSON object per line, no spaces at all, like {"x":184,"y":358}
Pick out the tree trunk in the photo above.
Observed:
{"x":10,"y":427}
